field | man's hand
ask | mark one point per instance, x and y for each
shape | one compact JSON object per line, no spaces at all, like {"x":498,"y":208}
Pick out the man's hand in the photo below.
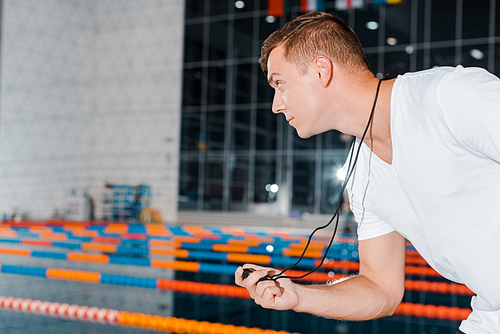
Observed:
{"x":278,"y":295}
{"x":376,"y":292}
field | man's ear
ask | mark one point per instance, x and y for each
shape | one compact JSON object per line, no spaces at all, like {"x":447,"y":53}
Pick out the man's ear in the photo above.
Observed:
{"x":324,"y":69}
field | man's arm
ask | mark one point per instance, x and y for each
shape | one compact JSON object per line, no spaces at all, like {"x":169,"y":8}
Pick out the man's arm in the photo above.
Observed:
{"x":375,"y":292}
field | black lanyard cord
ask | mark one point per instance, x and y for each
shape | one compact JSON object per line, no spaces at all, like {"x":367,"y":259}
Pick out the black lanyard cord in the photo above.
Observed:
{"x":335,"y":216}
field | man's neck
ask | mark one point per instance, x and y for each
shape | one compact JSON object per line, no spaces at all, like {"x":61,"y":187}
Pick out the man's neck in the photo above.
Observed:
{"x":359,"y":98}
{"x":351,"y":98}
{"x":378,"y":137}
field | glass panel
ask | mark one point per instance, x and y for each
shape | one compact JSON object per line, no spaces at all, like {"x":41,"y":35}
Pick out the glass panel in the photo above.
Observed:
{"x":266,"y":131}
{"x":368,"y":37}
{"x":242,"y":83}
{"x":497,"y":22}
{"x":191,"y":95}
{"x":213,"y":196}
{"x":263,"y":4}
{"x":331,"y":184}
{"x":373,"y":61}
{"x":216,"y":85}
{"x":219,"y":7}
{"x":396,"y":63}
{"x":238,"y":189}
{"x":303,"y":184}
{"x":243,"y":5}
{"x":475,"y":55}
{"x":218,"y":40}
{"x":443,"y":17}
{"x":303,"y":144}
{"x":194,"y":8}
{"x":190,"y":131}
{"x":243,"y":39}
{"x":497,"y":59}
{"x":265,"y":173}
{"x":344,"y":15}
{"x":215,"y":130}
{"x":420,"y":60}
{"x":241,"y":130}
{"x":213,"y":184}
{"x":287,"y":131}
{"x":421,"y":20}
{"x":475,"y":21}
{"x":267,"y":26}
{"x":334,"y":139}
{"x":193,"y":43}
{"x":265,"y":93}
{"x":188,"y":183}
{"x":398,"y":20}
{"x":442,"y":57}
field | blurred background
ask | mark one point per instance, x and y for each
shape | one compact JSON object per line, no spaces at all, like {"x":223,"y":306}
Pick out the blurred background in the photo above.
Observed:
{"x":232,"y":146}
{"x":144,"y":112}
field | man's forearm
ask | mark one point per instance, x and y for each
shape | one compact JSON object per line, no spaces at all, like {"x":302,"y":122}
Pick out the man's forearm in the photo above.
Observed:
{"x":355,"y":298}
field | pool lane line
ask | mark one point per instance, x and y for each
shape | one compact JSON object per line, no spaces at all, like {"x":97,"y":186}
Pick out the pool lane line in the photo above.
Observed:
{"x":123,"y":318}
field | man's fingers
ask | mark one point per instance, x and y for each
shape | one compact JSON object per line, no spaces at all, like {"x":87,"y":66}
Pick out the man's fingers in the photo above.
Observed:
{"x":281,"y":291}
{"x":269,"y":294}
{"x":262,"y":290}
{"x":238,"y":279}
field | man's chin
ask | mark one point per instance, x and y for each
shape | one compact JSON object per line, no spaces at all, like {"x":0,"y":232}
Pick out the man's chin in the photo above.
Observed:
{"x":303,"y":134}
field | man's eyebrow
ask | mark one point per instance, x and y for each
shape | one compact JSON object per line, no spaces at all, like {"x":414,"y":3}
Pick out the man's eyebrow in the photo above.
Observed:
{"x":270,"y":79}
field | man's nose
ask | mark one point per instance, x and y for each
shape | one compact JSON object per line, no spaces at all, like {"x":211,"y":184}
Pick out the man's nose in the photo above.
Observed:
{"x":278,"y":103}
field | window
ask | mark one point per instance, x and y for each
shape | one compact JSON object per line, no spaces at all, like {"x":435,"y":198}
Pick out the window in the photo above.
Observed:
{"x":233,"y":146}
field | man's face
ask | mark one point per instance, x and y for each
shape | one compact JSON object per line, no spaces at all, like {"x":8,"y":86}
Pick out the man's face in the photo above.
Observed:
{"x":295,"y":94}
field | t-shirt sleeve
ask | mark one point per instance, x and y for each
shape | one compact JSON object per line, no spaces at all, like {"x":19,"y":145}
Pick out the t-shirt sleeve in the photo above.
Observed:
{"x":369,"y":225}
{"x":470,"y":101}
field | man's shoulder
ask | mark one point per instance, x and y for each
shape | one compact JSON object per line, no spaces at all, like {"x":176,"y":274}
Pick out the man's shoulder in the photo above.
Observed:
{"x":449,"y":74}
{"x":433,"y":71}
{"x":427,"y":78}
{"x":440,"y":84}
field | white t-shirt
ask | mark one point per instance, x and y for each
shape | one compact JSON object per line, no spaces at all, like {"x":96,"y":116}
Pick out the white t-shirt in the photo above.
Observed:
{"x":442,"y":190}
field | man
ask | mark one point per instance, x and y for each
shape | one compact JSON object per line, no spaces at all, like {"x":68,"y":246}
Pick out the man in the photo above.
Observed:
{"x":428,"y":171}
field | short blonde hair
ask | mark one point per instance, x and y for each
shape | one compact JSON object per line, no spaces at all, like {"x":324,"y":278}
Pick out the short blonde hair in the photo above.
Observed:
{"x":314,"y":34}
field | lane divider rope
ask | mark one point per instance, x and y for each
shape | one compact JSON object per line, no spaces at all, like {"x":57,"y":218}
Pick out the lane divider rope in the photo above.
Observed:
{"x":178,"y":325}
{"x":433,"y":311}
{"x":124,"y":318}
{"x":194,"y":266}
{"x":232,"y":291}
